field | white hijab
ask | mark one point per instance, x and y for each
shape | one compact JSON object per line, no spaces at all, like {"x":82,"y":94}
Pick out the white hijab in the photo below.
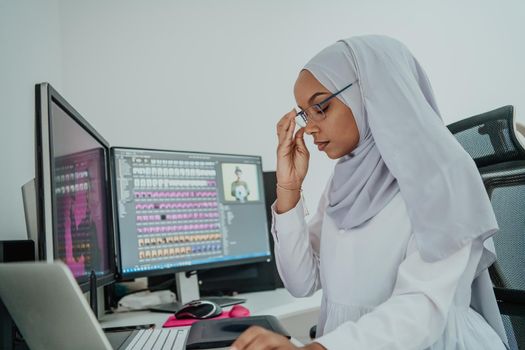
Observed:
{"x":404,"y":146}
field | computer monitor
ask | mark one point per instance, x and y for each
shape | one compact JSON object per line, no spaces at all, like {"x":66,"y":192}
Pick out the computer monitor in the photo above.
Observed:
{"x":180,"y":211}
{"x":74,"y":211}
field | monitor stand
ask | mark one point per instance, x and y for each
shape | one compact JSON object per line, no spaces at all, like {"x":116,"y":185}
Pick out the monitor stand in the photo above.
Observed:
{"x":95,"y":295}
{"x":93,"y":300}
{"x":188,"y":290}
{"x":187,"y":286}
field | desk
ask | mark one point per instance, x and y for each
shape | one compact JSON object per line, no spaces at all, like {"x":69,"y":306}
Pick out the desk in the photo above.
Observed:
{"x":296,"y":314}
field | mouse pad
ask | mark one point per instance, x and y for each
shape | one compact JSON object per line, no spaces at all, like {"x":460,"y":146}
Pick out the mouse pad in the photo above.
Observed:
{"x":223,"y":332}
{"x":172,"y":321}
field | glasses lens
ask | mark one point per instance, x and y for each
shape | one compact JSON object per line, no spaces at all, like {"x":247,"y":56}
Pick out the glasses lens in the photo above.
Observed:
{"x":315,"y":113}
{"x":300,"y":120}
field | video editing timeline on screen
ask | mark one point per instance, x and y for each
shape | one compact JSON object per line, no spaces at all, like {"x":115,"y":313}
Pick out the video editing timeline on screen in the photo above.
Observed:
{"x":80,"y":210}
{"x":176,"y":217}
{"x":179,"y":209}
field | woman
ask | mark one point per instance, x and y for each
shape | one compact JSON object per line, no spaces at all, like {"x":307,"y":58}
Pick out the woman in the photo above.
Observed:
{"x":398,"y":243}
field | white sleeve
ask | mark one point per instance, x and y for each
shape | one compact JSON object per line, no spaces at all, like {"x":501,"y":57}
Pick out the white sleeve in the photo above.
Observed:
{"x":297,"y":248}
{"x":415,"y":316}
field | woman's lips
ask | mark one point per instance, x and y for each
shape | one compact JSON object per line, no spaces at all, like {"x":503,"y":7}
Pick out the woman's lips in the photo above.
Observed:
{"x":321,"y":145}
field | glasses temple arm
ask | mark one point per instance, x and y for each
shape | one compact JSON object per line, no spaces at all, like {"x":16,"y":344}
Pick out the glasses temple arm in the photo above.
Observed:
{"x":334,"y":95}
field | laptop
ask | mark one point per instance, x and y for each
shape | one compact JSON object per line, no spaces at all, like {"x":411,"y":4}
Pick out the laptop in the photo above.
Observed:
{"x":51,"y":312}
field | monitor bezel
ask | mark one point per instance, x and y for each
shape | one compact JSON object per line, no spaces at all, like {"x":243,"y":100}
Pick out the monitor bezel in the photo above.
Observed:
{"x":173,"y":270}
{"x":45,"y":94}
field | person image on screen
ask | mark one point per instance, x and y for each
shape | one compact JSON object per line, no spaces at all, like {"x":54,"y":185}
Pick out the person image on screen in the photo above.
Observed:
{"x":239,"y":187}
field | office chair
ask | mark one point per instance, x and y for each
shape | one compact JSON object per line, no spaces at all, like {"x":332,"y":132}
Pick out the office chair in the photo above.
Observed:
{"x":491,"y":141}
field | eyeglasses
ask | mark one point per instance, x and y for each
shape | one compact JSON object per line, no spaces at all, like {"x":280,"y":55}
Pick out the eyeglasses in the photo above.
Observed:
{"x":315,"y":112}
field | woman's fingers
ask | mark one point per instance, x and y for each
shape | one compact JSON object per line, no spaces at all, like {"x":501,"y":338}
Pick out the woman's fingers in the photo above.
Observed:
{"x":299,"y":140}
{"x":256,"y":338}
{"x":291,"y":126}
{"x":246,"y":338}
{"x":285,"y":127}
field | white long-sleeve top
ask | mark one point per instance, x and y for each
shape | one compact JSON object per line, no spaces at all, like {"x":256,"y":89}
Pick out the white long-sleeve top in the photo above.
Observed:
{"x":378,"y":293}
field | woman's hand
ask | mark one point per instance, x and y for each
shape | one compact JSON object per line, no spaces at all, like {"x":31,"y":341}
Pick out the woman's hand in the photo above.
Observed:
{"x":292,"y":154}
{"x":258,"y":338}
{"x":292,"y":162}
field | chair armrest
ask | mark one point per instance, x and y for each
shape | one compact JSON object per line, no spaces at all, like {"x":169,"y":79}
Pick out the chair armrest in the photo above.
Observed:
{"x":510,"y":301}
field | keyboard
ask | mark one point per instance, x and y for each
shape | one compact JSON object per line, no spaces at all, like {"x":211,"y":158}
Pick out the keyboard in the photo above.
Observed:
{"x":159,"y":339}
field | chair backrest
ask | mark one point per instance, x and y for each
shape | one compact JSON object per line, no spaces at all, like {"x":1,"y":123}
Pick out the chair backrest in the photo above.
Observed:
{"x":491,"y":141}
{"x":489,"y":137}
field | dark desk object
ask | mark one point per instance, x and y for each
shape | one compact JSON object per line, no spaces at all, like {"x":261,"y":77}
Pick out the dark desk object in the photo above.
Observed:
{"x":221,"y":333}
{"x":12,"y":251}
{"x":491,"y":141}
{"x":16,"y":251}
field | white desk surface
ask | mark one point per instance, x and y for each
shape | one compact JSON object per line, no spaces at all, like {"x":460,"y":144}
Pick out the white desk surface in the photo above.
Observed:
{"x":279,"y":303}
{"x":276,"y":302}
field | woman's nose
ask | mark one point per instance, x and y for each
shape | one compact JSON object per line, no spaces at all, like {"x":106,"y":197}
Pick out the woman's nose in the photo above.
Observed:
{"x":311,"y":128}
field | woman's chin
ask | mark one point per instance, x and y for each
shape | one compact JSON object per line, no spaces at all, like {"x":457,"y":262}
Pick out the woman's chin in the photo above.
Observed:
{"x":332,"y":155}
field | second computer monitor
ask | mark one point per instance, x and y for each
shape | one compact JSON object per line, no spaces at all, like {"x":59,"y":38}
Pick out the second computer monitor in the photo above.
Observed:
{"x":180,"y":211}
{"x":74,"y":202}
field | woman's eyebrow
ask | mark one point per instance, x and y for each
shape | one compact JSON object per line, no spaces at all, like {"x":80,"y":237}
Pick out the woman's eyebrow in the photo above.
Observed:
{"x":314,"y":96}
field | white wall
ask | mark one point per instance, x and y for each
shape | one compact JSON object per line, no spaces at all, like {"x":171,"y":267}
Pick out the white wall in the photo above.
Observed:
{"x":217,"y":75}
{"x":30,"y":52}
